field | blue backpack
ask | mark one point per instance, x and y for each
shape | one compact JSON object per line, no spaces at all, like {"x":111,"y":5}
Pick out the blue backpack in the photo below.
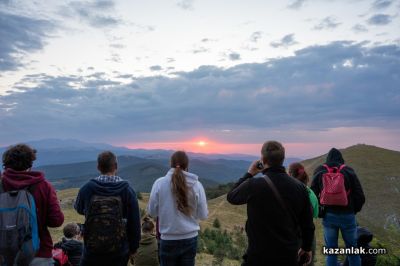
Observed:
{"x":19,"y":237}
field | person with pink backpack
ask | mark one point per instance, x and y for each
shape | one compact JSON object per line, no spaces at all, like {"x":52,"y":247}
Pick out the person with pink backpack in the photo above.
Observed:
{"x":341,"y":196}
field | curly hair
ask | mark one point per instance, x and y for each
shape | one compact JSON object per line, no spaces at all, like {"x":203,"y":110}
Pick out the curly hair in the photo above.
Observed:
{"x":19,"y":157}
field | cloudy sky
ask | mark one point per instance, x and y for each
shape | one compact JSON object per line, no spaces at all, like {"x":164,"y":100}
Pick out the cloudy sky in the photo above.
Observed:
{"x":210,"y":76}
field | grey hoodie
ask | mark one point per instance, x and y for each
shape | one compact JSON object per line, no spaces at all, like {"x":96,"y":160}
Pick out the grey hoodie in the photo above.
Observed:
{"x":173,"y":224}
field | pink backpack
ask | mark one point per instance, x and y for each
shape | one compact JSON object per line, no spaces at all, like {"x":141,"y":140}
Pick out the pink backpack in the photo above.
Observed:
{"x":333,"y":190}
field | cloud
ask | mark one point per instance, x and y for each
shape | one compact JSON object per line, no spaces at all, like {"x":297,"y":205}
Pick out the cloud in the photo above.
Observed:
{"x":99,"y":14}
{"x":328,"y":23}
{"x":255,"y":36}
{"x":234,"y":56}
{"x":200,"y":50}
{"x":341,"y":84}
{"x":186,"y":4}
{"x":381,"y":4}
{"x":156,"y":68}
{"x":296,"y":4}
{"x":358,"y":28}
{"x":379,"y":20}
{"x":286,"y":41}
{"x":21,"y":35}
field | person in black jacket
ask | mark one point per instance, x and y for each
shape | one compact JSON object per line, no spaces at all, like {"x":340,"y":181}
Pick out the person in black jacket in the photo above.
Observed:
{"x":274,"y":231}
{"x":70,"y":243}
{"x":109,"y":185}
{"x":340,"y":217}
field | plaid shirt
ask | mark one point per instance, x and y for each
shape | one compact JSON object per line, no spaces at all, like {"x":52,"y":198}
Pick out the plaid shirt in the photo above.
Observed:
{"x":108,"y":178}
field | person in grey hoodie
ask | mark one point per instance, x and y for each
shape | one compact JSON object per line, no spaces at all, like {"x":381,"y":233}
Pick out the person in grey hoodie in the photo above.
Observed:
{"x":179,"y":201}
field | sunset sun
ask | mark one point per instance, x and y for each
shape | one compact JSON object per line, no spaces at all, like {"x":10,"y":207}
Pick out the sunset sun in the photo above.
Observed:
{"x":201,"y":143}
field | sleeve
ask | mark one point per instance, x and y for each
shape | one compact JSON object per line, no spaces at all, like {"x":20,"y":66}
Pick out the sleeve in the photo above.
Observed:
{"x":316,"y":182}
{"x":79,"y":203}
{"x":306,"y":223}
{"x":241,"y":190}
{"x":152,"y":206}
{"x":202,"y":209}
{"x":55,"y":217}
{"x":133,"y":221}
{"x":314,"y":203}
{"x":357,"y":193}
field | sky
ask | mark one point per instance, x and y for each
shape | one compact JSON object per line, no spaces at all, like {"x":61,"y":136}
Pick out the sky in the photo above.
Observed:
{"x":205,"y":76}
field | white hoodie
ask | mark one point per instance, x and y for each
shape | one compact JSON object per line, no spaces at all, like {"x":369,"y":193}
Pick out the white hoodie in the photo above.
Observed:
{"x":173,"y":224}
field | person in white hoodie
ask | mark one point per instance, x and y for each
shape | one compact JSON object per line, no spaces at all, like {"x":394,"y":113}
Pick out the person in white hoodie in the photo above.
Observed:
{"x":179,"y":201}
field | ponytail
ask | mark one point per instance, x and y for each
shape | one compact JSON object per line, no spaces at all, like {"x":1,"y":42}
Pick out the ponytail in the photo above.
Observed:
{"x":180,"y":161}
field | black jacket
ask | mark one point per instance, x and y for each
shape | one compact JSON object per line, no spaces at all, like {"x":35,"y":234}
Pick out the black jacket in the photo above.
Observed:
{"x":130,"y":212}
{"x":73,"y":248}
{"x":273,"y":235}
{"x":356,"y":197}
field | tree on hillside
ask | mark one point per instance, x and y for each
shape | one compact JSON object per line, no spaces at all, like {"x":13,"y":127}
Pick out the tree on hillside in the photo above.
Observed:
{"x":139,"y":195}
{"x":216,"y":223}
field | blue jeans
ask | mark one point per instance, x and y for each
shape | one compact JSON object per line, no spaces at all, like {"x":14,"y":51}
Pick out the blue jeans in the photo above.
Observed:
{"x":178,"y":252}
{"x":346,"y":222}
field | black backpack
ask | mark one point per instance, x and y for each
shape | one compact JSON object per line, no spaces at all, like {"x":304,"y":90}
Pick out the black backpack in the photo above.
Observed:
{"x":105,"y":228}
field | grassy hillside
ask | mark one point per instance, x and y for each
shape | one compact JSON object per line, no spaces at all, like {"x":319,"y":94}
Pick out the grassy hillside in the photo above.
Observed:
{"x":379,"y":172}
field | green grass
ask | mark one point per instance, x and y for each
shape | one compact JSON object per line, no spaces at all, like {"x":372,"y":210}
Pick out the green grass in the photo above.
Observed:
{"x":378,"y":170}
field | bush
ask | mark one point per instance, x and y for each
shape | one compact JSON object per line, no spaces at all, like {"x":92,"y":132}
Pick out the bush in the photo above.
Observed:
{"x":216,"y":223}
{"x":139,"y":195}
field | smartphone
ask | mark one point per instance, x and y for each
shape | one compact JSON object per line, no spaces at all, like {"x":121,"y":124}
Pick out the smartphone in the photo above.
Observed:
{"x":260,"y":165}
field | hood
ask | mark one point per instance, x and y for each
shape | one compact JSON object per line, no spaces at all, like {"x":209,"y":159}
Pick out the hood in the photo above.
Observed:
{"x":71,"y":245}
{"x":334,"y":157}
{"x":191,"y":179}
{"x":108,"y":188}
{"x":147,"y":239}
{"x":364,"y":236}
{"x":20,"y":179}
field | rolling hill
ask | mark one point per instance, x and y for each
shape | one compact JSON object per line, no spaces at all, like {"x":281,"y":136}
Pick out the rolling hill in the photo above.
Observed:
{"x":379,"y":172}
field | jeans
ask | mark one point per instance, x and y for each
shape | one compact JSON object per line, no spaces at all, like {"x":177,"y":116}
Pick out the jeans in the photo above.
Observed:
{"x":114,"y":261}
{"x":42,"y":262}
{"x":346,"y":222}
{"x":178,"y":252}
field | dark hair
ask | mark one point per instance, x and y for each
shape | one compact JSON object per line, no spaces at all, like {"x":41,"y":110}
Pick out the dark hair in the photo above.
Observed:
{"x":19,"y":157}
{"x":297,"y":171}
{"x":71,"y":229}
{"x":147,"y":225}
{"x":273,"y":153}
{"x":106,"y":162}
{"x":180,"y":161}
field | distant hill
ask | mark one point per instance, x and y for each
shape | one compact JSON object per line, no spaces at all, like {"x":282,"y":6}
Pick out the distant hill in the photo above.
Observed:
{"x":379,"y":172}
{"x":142,"y":172}
{"x":67,"y":151}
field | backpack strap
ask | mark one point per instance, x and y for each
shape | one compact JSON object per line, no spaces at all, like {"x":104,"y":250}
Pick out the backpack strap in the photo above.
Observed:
{"x":329,"y":169}
{"x":280,"y":200}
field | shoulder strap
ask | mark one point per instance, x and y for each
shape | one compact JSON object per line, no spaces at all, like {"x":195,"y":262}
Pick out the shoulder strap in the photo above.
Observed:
{"x":275,"y":191}
{"x":281,"y":201}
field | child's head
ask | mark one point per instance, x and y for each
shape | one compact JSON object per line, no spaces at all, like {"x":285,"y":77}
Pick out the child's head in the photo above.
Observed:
{"x":147,"y":225}
{"x":71,"y":230}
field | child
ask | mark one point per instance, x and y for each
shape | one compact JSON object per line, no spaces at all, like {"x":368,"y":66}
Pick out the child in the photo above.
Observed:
{"x":147,"y":253}
{"x":70,"y":243}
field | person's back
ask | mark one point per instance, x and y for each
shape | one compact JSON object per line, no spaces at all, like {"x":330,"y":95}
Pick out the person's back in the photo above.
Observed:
{"x":178,"y":200}
{"x":272,"y":230}
{"x":70,"y":243}
{"x":112,"y":220}
{"x":147,"y":253}
{"x":340,"y":215}
{"x":17,"y":161}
